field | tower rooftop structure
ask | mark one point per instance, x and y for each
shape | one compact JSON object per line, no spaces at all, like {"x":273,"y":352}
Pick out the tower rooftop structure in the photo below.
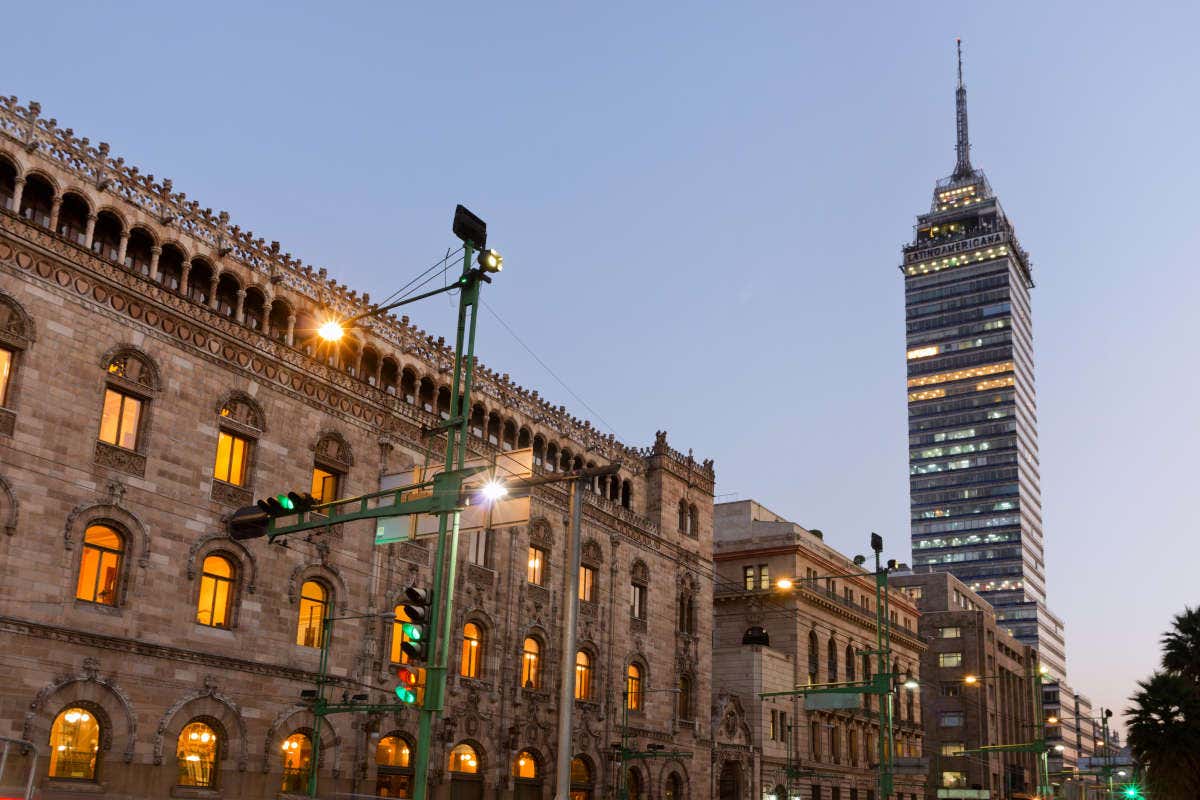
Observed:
{"x":973,"y":459}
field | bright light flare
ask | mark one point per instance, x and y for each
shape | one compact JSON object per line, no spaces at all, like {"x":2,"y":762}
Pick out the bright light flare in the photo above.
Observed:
{"x":911,"y":683}
{"x":494,"y":490}
{"x":971,"y":680}
{"x":1059,"y":748}
{"x":1051,"y":720}
{"x":784,"y":583}
{"x":331,"y":331}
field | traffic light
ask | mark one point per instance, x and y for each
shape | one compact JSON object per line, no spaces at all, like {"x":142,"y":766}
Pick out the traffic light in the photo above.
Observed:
{"x":290,"y":503}
{"x":416,"y":630}
{"x":406,"y":690}
{"x":248,"y":522}
{"x":1133,"y":791}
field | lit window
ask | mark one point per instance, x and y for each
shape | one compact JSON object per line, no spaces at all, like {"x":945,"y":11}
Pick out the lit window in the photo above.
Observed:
{"x":952,"y":748}
{"x":393,"y":768}
{"x":949,"y":633}
{"x":958,"y":375}
{"x":583,"y":676}
{"x":764,"y":576}
{"x":74,"y":745}
{"x":633,"y":688}
{"x":950,"y":659}
{"x":231,"y":458}
{"x":119,"y":420}
{"x":531,"y":664}
{"x":463,"y":759}
{"x":472,"y":651}
{"x":638,"y":601}
{"x":534,"y":573}
{"x":952,"y":779}
{"x":216,"y":584}
{"x":6,"y":361}
{"x":314,"y":601}
{"x":100,"y":566}
{"x":297,"y":758}
{"x":748,"y":578}
{"x":525,"y":766}
{"x":950,"y":719}
{"x":196,"y":753}
{"x":324,"y":484}
{"x":587,"y":584}
{"x":923,"y":352}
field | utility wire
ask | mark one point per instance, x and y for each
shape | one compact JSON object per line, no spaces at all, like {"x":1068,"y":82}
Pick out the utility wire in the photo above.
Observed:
{"x":546,"y":367}
{"x":406,"y":287}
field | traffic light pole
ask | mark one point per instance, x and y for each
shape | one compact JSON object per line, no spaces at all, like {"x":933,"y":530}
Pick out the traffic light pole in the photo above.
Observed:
{"x":442,"y":607}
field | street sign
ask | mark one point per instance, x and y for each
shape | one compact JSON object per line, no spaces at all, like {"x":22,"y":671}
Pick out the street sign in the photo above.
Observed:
{"x":831,"y":702}
{"x":478,"y":512}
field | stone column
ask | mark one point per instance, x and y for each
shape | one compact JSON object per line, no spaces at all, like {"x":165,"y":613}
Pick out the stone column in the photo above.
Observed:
{"x":379,"y":375}
{"x":183,"y":278}
{"x":291,"y":329}
{"x":266,"y":324}
{"x":122,"y":247}
{"x":155,"y":252}
{"x":239,"y":309}
{"x":212,"y":291}
{"x":55,"y":207}
{"x":18,"y":191}
{"x":90,"y":232}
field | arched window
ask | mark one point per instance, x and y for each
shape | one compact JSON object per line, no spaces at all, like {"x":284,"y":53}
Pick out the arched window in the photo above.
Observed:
{"x":472,"y":651}
{"x":389,"y":371}
{"x":551,"y":461}
{"x":254,"y":309}
{"x":408,"y":386}
{"x":8,"y":183}
{"x":527,"y":780}
{"x":369,"y":366}
{"x":100,"y":566}
{"x":493,"y":428}
{"x":138,"y":252}
{"x":583,"y":676}
{"x":428,"y":394}
{"x":581,"y":779}
{"x":640,"y":589}
{"x":75,"y":745}
{"x":130,"y":382}
{"x":227,"y":294}
{"x":106,"y":236}
{"x":393,"y":767}
{"x":814,"y":658}
{"x":170,"y":268}
{"x":833,"y":661}
{"x":508,"y":437}
{"x":37,"y":201}
{"x":280,"y":311}
{"x":531,"y":664}
{"x":464,"y":759}
{"x":196,"y":753}
{"x":200,"y":281}
{"x":683,"y":705}
{"x":693,"y":521}
{"x":633,"y":785}
{"x":297,"y":760}
{"x":72,"y":218}
{"x":314,"y":606}
{"x":16,"y":333}
{"x":240,"y":422}
{"x":626,"y":494}
{"x":443,"y":402}
{"x":683,"y":517}
{"x":674,"y":788}
{"x":216,"y":592}
{"x":850,"y":662}
{"x":633,"y":688}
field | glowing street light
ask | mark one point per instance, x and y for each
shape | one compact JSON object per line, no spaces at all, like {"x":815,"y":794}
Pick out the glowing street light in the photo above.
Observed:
{"x":970,"y":680}
{"x":783,"y":583}
{"x":493,"y":490}
{"x":331,"y":331}
{"x":910,"y":682}
{"x":1051,"y":720}
{"x":1059,"y":748}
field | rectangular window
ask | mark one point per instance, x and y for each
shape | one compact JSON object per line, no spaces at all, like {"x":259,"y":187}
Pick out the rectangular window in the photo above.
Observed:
{"x":764,"y":576}
{"x":783,"y":728}
{"x":774,"y":732}
{"x":119,"y":421}
{"x":954,"y":780}
{"x":231,"y":458}
{"x":638,"y":605}
{"x":952,"y":748}
{"x":6,"y":359}
{"x":950,"y":719}
{"x":949,"y":633}
{"x":324,"y":484}
{"x":475,"y":544}
{"x":951,"y":690}
{"x":950,"y":659}
{"x":587,"y":584}
{"x":748,"y":578}
{"x":534,"y":573}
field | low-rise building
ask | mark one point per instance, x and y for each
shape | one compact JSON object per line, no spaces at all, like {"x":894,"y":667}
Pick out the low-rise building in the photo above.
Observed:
{"x":977,"y":690}
{"x":773,"y":638}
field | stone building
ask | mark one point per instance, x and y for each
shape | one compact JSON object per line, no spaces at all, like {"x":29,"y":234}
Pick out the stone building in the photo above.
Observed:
{"x":770,"y":638}
{"x":159,"y":369}
{"x":977,"y":689}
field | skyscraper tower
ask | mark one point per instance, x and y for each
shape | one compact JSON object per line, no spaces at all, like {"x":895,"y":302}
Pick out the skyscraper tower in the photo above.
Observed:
{"x":972,"y":415}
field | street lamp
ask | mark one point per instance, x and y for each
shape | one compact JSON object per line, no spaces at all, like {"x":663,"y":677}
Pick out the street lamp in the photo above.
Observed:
{"x":493,"y":490}
{"x":784,"y":583}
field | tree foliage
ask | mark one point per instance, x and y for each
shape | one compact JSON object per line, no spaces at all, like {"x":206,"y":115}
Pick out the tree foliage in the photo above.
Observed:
{"x":1164,"y":720}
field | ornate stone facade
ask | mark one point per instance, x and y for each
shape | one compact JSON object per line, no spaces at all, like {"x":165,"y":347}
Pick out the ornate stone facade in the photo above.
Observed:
{"x":102,"y":267}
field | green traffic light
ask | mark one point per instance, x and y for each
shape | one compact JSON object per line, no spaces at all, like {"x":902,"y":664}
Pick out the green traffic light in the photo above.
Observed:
{"x":412,"y":632}
{"x":1132,"y":791}
{"x":286,"y":502}
{"x":405,"y":695}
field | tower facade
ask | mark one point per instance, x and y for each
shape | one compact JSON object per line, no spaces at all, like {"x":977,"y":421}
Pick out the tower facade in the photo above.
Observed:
{"x":973,"y":458}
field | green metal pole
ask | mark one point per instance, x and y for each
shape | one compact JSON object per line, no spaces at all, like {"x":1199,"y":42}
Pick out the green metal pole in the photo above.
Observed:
{"x":881,"y":668}
{"x":319,"y":707}
{"x":443,"y":574}
{"x":622,"y":790}
{"x":891,"y":695}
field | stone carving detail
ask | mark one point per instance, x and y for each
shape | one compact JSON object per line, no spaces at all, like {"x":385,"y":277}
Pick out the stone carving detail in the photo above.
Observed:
{"x":480,"y":576}
{"x":16,"y":328}
{"x":120,"y":459}
{"x":591,"y":554}
{"x":230,"y":495}
{"x":103,"y":703}
{"x":333,"y":449}
{"x":8,"y":505}
{"x":8,"y":421}
{"x":241,"y":408}
{"x":248,"y":566}
{"x":227,"y":713}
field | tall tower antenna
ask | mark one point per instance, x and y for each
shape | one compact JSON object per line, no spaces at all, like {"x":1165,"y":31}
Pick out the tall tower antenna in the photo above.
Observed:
{"x":962,"y":148}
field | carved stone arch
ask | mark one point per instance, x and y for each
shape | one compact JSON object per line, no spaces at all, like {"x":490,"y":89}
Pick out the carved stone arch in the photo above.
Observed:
{"x":332,"y":448}
{"x":13,"y":162}
{"x":238,"y":407}
{"x":137,"y":540}
{"x":9,"y":507}
{"x":326,"y":573}
{"x":688,"y":585}
{"x":540,"y":533}
{"x":148,"y":230}
{"x":16,"y":326}
{"x":181,"y":246}
{"x":664,"y":773}
{"x":133,"y":366}
{"x":83,"y":196}
{"x":592,"y":553}
{"x":101,"y":696}
{"x":480,"y":754}
{"x":220,"y":543}
{"x":300,"y":718}
{"x":55,"y":184}
{"x":639,"y":572}
{"x":209,"y":704}
{"x":126,"y":225}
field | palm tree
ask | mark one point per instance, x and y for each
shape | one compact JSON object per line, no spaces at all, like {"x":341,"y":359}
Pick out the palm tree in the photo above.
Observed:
{"x":1181,"y":645}
{"x":1164,"y":734}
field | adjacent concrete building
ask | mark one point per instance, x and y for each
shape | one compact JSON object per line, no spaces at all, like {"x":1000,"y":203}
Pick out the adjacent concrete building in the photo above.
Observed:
{"x":974,"y":482}
{"x":158,"y":369}
{"x":767,"y":638}
{"x":977,"y":690}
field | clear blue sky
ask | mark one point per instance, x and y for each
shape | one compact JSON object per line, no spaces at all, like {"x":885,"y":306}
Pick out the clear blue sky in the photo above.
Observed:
{"x":701,"y":208}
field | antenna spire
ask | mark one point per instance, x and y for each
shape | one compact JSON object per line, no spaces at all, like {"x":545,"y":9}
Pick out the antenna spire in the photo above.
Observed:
{"x":962,"y":148}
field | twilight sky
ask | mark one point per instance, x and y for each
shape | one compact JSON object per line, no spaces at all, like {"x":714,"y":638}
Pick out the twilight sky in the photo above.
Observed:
{"x":701,"y":208}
